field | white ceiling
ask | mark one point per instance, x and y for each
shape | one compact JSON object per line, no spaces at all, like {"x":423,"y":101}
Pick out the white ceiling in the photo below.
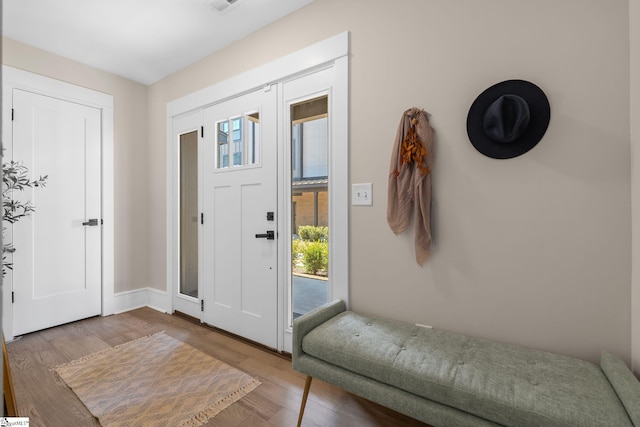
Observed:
{"x":143,"y":40}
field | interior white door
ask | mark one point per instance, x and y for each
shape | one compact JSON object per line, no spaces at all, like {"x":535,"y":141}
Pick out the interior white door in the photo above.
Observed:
{"x":240,"y":201}
{"x":57,"y":272}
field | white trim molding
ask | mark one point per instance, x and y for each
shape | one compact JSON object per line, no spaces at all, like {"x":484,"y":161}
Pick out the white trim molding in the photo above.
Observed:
{"x":13,"y":78}
{"x":323,"y":52}
{"x":330,"y":53}
{"x":137,"y":298}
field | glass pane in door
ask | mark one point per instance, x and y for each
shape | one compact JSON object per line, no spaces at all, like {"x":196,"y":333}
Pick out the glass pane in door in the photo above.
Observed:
{"x":238,"y":141}
{"x":222,"y":141}
{"x":309,"y":205}
{"x":189,"y":214}
{"x":253,"y":138}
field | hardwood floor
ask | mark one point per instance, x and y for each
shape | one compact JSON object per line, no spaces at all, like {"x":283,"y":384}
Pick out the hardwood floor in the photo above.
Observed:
{"x":48,"y":402}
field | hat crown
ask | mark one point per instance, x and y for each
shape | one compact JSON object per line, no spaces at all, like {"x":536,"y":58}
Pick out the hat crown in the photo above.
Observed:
{"x":506,"y":119}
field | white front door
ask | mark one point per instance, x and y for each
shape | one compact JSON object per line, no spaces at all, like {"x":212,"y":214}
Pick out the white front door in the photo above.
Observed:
{"x":57,"y":272}
{"x":239,"y":205}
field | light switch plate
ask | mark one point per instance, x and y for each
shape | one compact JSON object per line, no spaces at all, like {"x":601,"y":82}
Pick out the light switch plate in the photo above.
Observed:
{"x":362,"y":194}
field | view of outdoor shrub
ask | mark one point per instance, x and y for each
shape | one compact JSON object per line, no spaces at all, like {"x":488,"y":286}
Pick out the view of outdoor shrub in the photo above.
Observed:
{"x":313,"y":233}
{"x":316,"y":257}
{"x":311,"y":251}
{"x":298,"y":248}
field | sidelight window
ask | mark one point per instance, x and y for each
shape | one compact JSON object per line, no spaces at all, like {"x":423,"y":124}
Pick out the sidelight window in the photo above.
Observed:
{"x":309,"y":204}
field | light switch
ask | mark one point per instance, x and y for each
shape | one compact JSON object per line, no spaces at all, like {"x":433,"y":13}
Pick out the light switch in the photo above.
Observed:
{"x":362,"y":194}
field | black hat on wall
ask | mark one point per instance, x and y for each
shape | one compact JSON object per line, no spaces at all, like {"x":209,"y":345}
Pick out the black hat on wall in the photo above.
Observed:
{"x":508,"y":119}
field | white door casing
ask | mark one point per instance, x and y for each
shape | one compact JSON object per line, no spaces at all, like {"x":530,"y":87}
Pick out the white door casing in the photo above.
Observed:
{"x":303,"y":88}
{"x":15,"y":79}
{"x":57,"y":263}
{"x":240,"y":268}
{"x":182,"y":125}
{"x":330,"y":53}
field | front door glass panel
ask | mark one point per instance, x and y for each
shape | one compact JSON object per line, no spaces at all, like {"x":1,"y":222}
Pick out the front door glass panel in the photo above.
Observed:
{"x":238,"y":141}
{"x":189,"y":214}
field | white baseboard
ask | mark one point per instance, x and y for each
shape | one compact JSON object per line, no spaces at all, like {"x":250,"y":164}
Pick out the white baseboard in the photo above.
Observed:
{"x":144,"y":297}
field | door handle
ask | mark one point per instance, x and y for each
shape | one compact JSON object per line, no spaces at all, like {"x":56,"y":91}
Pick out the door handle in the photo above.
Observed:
{"x":270,"y":235}
{"x":92,"y":222}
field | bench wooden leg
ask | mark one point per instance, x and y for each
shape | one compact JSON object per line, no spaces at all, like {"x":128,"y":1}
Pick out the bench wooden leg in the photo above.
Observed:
{"x":307,"y":386}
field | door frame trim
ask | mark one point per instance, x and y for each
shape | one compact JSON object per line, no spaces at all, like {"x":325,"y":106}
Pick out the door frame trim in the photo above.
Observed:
{"x":13,"y":78}
{"x":333,"y":51}
{"x":182,"y":125}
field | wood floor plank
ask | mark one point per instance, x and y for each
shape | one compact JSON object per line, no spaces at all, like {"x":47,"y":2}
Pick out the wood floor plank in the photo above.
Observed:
{"x":48,"y":402}
{"x":260,"y":405}
{"x":233,"y":416}
{"x":288,"y":418}
{"x":40,"y":394}
{"x":254,"y":421}
{"x":286,"y":397}
{"x":75,"y":348}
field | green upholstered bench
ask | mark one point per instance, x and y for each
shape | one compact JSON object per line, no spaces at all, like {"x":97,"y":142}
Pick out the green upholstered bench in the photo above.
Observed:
{"x":447,"y":379}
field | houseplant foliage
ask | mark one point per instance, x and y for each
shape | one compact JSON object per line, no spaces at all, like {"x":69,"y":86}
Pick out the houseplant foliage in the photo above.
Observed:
{"x":15,"y":177}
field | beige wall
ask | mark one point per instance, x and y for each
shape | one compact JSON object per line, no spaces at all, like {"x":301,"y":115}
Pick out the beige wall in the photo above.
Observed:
{"x":130,"y":152}
{"x":634,"y":8}
{"x":534,"y":250}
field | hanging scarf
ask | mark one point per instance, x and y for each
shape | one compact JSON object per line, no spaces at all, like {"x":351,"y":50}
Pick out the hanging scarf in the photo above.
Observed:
{"x":410,"y":179}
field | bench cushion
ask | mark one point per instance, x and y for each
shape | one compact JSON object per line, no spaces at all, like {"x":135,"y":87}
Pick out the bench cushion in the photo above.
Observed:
{"x":624,"y":383}
{"x":506,"y":384}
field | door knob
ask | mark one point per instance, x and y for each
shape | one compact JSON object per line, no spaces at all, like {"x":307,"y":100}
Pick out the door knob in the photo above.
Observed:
{"x":92,"y":222}
{"x":270,"y":235}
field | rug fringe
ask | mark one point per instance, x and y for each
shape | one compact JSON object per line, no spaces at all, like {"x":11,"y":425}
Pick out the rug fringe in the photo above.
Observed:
{"x":204,"y":416}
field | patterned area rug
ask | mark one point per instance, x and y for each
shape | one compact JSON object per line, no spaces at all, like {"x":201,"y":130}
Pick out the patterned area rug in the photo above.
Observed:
{"x":155,"y":381}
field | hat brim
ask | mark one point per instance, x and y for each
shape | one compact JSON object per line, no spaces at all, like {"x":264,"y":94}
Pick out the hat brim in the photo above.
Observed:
{"x":540,"y":113}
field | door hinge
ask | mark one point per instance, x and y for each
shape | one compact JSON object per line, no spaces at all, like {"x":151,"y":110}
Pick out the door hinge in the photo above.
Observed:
{"x":13,"y":299}
{"x":201,"y":131}
{"x":201,"y":218}
{"x":12,"y":114}
{"x":201,"y":305}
